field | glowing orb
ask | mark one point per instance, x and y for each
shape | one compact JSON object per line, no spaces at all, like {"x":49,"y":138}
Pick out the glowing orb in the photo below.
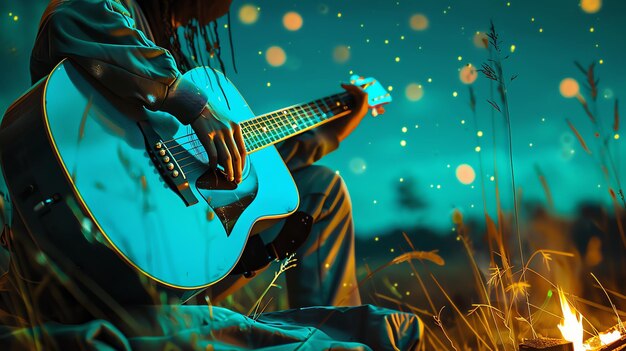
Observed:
{"x":292,"y":21}
{"x":465,"y":174}
{"x":275,"y":56}
{"x":607,"y":93}
{"x":358,"y":165}
{"x":248,"y":14}
{"x":414,"y":92}
{"x":418,"y":22}
{"x":591,"y":6}
{"x":341,"y":54}
{"x":569,"y":87}
{"x":468,"y":74}
{"x":481,"y":40}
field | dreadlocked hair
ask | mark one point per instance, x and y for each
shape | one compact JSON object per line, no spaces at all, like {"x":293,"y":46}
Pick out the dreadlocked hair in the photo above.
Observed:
{"x":202,"y":42}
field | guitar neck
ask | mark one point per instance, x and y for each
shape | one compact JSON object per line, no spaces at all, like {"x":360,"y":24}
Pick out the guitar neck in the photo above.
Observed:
{"x":270,"y":128}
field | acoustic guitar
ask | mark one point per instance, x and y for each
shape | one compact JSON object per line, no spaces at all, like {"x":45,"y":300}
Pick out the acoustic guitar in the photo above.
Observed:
{"x":95,"y":179}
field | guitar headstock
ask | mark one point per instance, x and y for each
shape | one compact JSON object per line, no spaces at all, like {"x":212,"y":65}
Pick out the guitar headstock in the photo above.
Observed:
{"x":377,"y":95}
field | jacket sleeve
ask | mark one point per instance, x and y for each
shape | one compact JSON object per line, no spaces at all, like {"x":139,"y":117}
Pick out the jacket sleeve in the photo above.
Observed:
{"x":306,"y":148}
{"x":100,"y":36}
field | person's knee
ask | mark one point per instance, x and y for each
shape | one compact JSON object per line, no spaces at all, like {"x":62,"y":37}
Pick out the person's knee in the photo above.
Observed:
{"x":337,"y":192}
{"x":337,"y":203}
{"x":323,"y":193}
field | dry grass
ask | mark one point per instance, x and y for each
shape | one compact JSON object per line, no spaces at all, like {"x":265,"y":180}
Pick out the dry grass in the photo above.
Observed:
{"x":510,"y":293}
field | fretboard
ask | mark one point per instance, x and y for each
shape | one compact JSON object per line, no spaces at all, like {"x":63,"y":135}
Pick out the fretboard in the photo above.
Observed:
{"x":270,"y":128}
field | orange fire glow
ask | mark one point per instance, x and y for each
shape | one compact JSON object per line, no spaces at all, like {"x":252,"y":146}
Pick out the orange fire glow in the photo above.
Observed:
{"x":572,"y":328}
{"x":572,"y":325}
{"x":607,"y":338}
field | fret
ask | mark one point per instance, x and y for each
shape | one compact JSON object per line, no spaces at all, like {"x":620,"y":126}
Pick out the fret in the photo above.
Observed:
{"x":298,"y":118}
{"x":315,"y":111}
{"x":287,"y":120}
{"x":273,"y":117}
{"x":327,"y":109}
{"x":307,"y":112}
{"x":248,"y":134}
{"x":278,"y":127}
{"x":294,"y":117}
{"x":267,"y":129}
{"x":332,"y":103}
{"x":284,"y":125}
{"x":305,"y":117}
{"x":311,"y":113}
{"x":265,"y":123}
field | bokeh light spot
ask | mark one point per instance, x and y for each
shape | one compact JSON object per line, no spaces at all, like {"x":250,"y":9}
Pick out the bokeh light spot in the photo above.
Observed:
{"x":292,"y":21}
{"x":468,"y":74}
{"x":569,"y":87}
{"x":341,"y":54}
{"x":418,"y":22}
{"x":275,"y":56}
{"x":248,"y":14}
{"x":481,"y":40}
{"x":591,"y":6}
{"x":465,"y":174}
{"x":357,"y":165}
{"x":414,"y":92}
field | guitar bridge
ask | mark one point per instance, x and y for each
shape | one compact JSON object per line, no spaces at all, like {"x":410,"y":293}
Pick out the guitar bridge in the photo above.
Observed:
{"x":166,"y":164}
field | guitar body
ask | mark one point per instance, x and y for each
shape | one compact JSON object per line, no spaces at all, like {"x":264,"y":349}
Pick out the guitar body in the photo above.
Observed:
{"x":86,"y":175}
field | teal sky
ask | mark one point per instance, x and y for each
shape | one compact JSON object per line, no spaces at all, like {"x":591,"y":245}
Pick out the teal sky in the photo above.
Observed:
{"x":548,"y":36}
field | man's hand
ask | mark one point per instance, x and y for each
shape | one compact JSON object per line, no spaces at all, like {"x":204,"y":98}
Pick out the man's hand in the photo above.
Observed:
{"x":344,"y":125}
{"x":223,"y":142}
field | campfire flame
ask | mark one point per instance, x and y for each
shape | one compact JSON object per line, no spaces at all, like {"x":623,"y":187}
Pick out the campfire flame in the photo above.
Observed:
{"x":572,"y":328}
{"x":572,"y":325}
{"x":608,"y":338}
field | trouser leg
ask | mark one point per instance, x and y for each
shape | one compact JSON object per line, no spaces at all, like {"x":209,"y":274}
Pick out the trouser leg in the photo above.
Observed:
{"x":325,"y":273}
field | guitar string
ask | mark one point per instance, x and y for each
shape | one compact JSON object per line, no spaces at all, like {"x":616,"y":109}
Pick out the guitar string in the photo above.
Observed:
{"x":305,"y":117}
{"x":198,"y":167}
{"x":335,"y":110}
{"x":190,"y":134}
{"x":277,"y":124}
{"x":339,"y":97}
{"x":251,"y":122}
{"x":254,"y":144}
{"x":272,"y":126}
{"x":309,"y":112}
{"x":248,"y":135}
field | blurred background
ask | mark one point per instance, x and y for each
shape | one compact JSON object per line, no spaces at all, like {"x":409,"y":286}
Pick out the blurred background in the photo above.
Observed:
{"x":440,"y":164}
{"x":421,"y":159}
